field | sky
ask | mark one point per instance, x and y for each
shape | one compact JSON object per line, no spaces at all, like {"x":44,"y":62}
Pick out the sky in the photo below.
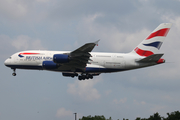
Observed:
{"x":66,"y":25}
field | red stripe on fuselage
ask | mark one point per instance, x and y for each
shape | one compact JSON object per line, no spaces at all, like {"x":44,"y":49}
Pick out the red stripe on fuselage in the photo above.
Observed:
{"x":162,"y":32}
{"x":143,"y":52}
{"x":29,"y":53}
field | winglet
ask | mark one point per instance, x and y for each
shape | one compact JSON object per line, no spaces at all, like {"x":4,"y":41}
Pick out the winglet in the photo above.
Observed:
{"x":97,"y":42}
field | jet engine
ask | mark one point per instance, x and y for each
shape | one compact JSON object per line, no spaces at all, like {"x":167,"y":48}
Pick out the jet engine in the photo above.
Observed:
{"x":61,"y":58}
{"x":49,"y":65}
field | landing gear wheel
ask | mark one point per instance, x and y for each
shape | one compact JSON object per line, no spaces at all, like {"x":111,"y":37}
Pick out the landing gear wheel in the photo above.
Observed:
{"x":14,"y":74}
{"x":80,"y":77}
{"x":85,"y":76}
{"x":91,"y":77}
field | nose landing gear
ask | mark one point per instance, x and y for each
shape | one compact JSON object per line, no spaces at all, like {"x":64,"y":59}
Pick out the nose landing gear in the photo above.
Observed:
{"x":14,"y":72}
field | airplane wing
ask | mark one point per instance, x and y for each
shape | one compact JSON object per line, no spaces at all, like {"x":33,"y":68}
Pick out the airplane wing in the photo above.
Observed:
{"x":88,"y":47}
{"x":151,"y":58}
{"x":80,"y":57}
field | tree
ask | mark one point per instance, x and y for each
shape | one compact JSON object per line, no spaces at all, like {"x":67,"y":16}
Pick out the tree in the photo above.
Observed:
{"x":109,"y":118}
{"x":138,"y":118}
{"x":173,"y":116}
{"x":93,"y":118}
{"x":156,"y":116}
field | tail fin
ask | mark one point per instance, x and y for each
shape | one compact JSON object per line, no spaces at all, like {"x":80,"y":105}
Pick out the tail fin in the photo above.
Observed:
{"x":153,"y":42}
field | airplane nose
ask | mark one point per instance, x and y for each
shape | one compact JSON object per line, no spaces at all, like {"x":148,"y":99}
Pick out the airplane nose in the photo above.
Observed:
{"x":6,"y":62}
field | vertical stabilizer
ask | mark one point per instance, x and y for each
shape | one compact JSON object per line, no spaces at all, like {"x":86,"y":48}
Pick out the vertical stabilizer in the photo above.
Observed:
{"x":153,"y":42}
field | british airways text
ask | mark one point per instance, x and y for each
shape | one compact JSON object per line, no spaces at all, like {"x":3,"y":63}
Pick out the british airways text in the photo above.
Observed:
{"x":38,"y":58}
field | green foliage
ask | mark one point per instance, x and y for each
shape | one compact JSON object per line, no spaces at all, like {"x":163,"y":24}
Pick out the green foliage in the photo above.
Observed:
{"x":93,"y":118}
{"x":156,"y":116}
{"x":138,"y":118}
{"x":109,"y":118}
{"x":171,"y":116}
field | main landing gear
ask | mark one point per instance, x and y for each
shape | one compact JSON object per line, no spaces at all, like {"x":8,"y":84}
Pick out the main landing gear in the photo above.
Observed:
{"x":87,"y":76}
{"x":14,"y":72}
{"x":81,"y":76}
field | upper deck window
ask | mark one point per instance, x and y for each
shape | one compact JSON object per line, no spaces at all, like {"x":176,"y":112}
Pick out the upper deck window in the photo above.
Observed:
{"x":119,"y":56}
{"x":102,"y":56}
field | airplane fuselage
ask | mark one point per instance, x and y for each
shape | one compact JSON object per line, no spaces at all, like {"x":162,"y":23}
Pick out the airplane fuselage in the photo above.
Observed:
{"x":99,"y":63}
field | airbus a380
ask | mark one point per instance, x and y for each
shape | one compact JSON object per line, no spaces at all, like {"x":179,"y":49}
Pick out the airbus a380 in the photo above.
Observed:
{"x":86,"y":64}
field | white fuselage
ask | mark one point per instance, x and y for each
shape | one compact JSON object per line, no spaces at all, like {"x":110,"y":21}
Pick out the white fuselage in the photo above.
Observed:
{"x":99,"y":63}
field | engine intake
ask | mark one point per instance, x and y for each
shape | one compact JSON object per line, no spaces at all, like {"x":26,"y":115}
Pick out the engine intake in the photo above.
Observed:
{"x":60,"y":58}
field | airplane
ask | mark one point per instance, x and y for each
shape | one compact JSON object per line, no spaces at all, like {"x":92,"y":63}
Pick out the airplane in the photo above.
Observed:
{"x":84,"y":64}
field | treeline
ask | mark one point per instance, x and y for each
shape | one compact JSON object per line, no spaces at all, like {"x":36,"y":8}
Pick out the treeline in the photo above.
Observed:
{"x":95,"y":118}
{"x":170,"y":116}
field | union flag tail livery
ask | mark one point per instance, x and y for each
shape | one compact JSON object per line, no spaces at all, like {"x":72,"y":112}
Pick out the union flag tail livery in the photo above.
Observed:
{"x":153,"y":42}
{"x":86,"y":64}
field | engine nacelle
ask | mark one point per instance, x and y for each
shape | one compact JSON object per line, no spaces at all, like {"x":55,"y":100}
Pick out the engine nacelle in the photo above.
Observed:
{"x":60,"y":58}
{"x":49,"y":65}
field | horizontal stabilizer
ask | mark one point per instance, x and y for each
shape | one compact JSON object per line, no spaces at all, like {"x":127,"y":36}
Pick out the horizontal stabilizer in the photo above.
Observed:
{"x":151,"y":58}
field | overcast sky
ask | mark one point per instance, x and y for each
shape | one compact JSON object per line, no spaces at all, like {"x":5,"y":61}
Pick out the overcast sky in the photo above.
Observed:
{"x":69,"y":24}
